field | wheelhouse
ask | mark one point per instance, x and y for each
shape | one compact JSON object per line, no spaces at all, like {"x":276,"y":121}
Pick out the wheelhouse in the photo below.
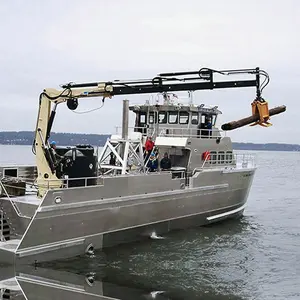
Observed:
{"x":190,"y":120}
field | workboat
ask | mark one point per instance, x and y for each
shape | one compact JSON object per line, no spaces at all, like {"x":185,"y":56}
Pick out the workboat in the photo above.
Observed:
{"x":74,"y":201}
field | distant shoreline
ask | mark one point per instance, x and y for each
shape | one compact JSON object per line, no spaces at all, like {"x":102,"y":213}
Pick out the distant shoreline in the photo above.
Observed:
{"x":26,"y":137}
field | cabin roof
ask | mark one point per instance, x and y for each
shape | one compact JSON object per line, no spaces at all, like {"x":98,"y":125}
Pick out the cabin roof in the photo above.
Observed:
{"x":164,"y":107}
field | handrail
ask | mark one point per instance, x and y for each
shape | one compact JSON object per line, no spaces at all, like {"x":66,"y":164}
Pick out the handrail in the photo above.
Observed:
{"x":2,"y":239}
{"x":134,"y":128}
{"x":11,"y":201}
{"x":68,"y":179}
{"x":224,"y":160}
{"x":206,"y":159}
{"x":236,"y":161}
{"x":232,"y":159}
{"x":213,"y":133}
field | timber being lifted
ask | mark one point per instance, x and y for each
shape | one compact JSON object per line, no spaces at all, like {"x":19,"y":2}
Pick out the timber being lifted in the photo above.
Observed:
{"x":173,"y":169}
{"x":252,"y":120}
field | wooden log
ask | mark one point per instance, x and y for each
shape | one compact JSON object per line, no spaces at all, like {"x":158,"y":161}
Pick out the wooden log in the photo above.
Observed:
{"x":249,"y":120}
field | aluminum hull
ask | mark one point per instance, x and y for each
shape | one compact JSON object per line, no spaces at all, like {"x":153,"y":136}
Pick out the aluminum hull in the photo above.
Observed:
{"x":100,"y":216}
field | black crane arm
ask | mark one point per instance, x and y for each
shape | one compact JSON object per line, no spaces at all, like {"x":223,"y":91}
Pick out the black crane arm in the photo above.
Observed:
{"x":178,"y":81}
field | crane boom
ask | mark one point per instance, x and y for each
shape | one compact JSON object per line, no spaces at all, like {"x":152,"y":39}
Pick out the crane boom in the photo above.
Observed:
{"x":164,"y":82}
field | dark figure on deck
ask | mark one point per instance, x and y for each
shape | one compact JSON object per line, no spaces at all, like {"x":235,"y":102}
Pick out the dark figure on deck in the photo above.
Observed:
{"x":165,"y":163}
{"x":112,"y":160}
{"x":206,"y":128}
{"x":152,"y":163}
{"x":209,"y":126}
{"x":149,"y":145}
{"x":53,"y":146}
{"x":59,"y":161}
{"x":53,"y":149}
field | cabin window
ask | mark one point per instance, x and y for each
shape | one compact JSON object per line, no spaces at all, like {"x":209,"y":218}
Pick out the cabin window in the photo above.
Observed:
{"x":213,"y":157}
{"x":221,"y":157}
{"x":162,"y":117}
{"x":10,"y":172}
{"x":195,"y":118}
{"x":229,"y":157}
{"x":213,"y":120}
{"x":152,"y":117}
{"x":173,"y":117}
{"x":143,"y":118}
{"x":183,"y":117}
{"x":205,"y":117}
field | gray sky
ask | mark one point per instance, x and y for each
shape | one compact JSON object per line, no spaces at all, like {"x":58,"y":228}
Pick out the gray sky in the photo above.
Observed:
{"x":48,"y":43}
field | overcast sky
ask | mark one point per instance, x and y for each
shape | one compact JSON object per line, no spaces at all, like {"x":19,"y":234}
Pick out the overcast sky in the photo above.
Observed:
{"x":48,"y":43}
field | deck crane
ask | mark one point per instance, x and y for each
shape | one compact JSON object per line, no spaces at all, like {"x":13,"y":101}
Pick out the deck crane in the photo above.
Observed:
{"x":202,"y":79}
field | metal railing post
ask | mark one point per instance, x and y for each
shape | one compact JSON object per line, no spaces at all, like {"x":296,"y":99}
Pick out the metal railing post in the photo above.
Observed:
{"x":10,"y":200}
{"x":2,"y":239}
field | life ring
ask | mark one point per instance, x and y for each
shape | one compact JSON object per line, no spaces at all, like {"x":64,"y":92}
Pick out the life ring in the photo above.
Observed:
{"x":206,"y":155}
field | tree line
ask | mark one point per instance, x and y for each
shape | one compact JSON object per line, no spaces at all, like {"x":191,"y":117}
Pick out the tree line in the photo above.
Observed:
{"x":62,"y":139}
{"x":67,"y":139}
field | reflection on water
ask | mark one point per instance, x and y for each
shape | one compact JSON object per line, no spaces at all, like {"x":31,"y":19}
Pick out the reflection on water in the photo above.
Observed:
{"x":40,"y":283}
{"x":211,"y":262}
{"x":204,"y":263}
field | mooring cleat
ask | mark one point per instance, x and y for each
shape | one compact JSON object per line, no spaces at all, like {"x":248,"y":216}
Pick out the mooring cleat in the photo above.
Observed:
{"x":260,"y":107}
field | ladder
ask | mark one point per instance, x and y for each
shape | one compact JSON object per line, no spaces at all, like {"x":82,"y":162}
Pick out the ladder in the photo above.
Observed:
{"x":2,"y":239}
{"x":4,"y":228}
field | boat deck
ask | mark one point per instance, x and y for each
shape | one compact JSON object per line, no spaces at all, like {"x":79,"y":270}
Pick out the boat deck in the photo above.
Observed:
{"x":28,"y":199}
{"x":10,"y":284}
{"x":10,"y":245}
{"x":25,"y":205}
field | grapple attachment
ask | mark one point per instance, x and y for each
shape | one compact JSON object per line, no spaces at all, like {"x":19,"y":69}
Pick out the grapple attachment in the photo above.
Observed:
{"x":260,"y":107}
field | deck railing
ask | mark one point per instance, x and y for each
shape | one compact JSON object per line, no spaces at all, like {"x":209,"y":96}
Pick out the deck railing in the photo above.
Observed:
{"x":2,"y":238}
{"x":191,"y":133}
{"x":239,"y":160}
{"x":226,"y":160}
{"x":75,"y":182}
{"x":145,"y":131}
{"x":213,"y":133}
{"x":246,"y":160}
{"x":4,"y":191}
